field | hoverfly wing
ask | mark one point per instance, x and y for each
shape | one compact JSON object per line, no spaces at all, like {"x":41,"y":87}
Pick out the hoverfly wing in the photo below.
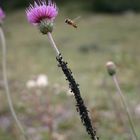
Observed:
{"x":76,"y":19}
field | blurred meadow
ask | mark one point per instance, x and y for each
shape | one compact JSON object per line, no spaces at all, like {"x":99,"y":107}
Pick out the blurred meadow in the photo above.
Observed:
{"x":100,"y":37}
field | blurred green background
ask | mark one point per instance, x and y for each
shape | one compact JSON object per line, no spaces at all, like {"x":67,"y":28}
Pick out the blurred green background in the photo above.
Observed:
{"x":107,"y":30}
{"x":94,"y":5}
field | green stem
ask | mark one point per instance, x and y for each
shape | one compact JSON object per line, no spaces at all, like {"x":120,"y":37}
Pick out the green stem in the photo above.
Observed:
{"x":80,"y":106}
{"x":4,"y":69}
{"x":125,"y":106}
{"x":53,"y":43}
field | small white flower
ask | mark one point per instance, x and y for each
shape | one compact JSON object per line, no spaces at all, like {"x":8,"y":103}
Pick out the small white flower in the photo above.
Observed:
{"x":42,"y":80}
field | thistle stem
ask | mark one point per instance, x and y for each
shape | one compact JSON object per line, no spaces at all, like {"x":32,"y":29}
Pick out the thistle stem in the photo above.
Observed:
{"x":4,"y":69}
{"x":125,"y":106}
{"x":53,"y":43}
{"x":80,"y":106}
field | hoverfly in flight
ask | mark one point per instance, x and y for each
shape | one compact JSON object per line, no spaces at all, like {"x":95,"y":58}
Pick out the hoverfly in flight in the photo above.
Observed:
{"x":72,"y":22}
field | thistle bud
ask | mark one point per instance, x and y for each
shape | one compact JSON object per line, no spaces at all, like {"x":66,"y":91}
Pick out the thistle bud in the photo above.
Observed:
{"x":45,"y":26}
{"x":111,"y":68}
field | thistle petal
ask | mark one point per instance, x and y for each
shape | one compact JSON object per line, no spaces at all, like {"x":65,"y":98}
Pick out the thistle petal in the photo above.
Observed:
{"x":41,"y":11}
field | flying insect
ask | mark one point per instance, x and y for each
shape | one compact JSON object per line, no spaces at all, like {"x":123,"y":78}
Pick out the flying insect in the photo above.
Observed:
{"x":72,"y":22}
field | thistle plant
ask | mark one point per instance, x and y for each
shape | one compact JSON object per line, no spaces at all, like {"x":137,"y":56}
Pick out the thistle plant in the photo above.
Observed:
{"x":2,"y":16}
{"x":5,"y":77}
{"x":111,"y":68}
{"x":42,"y":15}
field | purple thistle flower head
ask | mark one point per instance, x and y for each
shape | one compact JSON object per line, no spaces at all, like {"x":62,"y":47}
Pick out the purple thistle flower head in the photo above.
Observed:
{"x":2,"y":15}
{"x":41,"y":11}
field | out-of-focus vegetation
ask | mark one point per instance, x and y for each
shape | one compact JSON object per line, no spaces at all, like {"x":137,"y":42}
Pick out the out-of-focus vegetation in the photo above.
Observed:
{"x":116,"y":5}
{"x":16,"y":4}
{"x":94,"y":5}
{"x":99,"y":38}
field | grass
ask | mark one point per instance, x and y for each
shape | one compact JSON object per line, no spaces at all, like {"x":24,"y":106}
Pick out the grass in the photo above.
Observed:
{"x":98,"y":39}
